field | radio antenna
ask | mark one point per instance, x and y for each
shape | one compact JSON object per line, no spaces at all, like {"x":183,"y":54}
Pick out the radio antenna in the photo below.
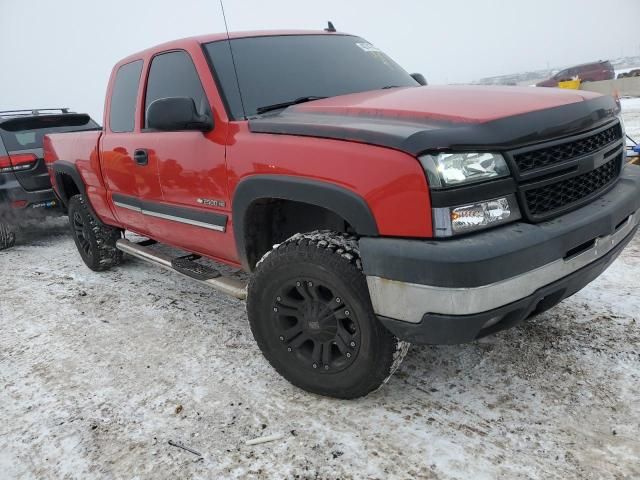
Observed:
{"x":233,"y":60}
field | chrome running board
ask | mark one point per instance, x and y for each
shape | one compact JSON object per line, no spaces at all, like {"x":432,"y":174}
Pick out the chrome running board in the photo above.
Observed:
{"x":231,"y":286}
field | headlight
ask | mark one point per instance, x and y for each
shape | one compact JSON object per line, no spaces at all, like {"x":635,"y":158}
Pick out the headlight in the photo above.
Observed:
{"x":475,"y":216}
{"x":452,"y":169}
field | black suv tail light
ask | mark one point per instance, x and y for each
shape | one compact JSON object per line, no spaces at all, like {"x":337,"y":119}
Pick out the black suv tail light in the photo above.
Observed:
{"x":17,"y":162}
{"x":5,"y":164}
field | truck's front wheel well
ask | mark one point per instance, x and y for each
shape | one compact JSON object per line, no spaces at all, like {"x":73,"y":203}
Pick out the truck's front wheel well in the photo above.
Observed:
{"x":271,"y":221}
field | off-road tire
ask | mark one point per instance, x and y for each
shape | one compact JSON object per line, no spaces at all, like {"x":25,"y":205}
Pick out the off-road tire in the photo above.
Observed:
{"x":96,"y":241}
{"x":319,"y":273}
{"x":7,"y":236}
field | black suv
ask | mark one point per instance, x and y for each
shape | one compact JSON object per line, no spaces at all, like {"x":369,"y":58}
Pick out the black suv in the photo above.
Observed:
{"x":25,"y":188}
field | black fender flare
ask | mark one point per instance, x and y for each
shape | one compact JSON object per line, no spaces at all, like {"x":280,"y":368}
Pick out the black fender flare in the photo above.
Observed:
{"x":345,"y":203}
{"x":61,"y":167}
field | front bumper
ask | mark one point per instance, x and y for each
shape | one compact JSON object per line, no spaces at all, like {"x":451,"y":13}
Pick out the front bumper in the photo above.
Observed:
{"x":454,"y":291}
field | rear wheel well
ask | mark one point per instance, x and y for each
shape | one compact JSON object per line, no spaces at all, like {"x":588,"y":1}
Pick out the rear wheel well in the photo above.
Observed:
{"x":271,"y":221}
{"x":67,"y":186}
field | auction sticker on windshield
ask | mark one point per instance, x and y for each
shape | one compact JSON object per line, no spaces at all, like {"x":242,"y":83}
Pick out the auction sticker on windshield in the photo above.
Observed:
{"x":367,"y":47}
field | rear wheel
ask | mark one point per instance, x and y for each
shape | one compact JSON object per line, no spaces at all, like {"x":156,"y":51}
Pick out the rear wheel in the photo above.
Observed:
{"x":96,"y":241}
{"x":310,"y":312}
{"x":7,"y":236}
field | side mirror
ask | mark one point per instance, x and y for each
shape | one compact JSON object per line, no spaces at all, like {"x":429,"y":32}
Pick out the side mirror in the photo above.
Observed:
{"x":418,"y":77}
{"x":176,"y":113}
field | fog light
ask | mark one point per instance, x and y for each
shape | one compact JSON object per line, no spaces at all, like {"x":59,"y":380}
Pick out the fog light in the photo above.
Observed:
{"x":476,"y":216}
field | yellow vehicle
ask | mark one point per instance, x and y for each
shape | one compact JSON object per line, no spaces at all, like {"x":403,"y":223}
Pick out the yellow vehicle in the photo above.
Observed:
{"x":571,"y":84}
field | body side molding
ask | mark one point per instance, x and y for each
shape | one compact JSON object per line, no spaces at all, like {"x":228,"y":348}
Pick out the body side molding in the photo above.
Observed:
{"x":190,"y":216}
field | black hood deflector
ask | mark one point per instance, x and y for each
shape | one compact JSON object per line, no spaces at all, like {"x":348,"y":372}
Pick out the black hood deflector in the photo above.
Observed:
{"x":418,"y":136}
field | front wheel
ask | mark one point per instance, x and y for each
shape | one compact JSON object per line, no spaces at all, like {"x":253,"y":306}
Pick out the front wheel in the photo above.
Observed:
{"x":311,"y":315}
{"x":96,"y":241}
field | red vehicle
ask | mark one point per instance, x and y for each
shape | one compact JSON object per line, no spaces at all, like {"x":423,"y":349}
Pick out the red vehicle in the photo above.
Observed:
{"x":587,"y":72}
{"x":371,"y":211}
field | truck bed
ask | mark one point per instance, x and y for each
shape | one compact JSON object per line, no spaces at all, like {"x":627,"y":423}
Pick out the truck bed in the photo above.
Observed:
{"x":74,"y":147}
{"x":79,"y":149}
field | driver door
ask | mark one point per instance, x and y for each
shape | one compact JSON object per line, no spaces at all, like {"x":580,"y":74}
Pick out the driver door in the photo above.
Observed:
{"x":190,"y":210}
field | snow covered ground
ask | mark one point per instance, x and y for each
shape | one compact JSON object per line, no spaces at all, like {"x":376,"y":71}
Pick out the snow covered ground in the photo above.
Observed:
{"x":631,"y":108}
{"x":625,"y":70}
{"x":99,"y":371}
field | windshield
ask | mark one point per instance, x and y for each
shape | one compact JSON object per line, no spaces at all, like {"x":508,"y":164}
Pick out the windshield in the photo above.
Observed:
{"x":280,"y":69}
{"x":28,"y":133}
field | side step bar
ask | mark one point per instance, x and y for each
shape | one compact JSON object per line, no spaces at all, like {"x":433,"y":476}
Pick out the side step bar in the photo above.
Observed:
{"x":230,"y":286}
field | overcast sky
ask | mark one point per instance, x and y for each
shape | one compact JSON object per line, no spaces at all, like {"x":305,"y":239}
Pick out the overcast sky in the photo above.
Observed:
{"x":60,"y":52}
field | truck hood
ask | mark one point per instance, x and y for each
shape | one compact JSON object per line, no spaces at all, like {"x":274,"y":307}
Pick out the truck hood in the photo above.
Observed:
{"x":469,"y":104}
{"x":417,"y":119}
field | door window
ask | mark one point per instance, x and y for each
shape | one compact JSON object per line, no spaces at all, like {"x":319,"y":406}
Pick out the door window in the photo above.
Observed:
{"x":173,"y":74}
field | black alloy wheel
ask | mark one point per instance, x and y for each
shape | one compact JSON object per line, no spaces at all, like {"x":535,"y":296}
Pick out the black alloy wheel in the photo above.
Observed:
{"x":81,"y":234}
{"x":310,"y":313}
{"x":315,"y":325}
{"x":96,"y":242}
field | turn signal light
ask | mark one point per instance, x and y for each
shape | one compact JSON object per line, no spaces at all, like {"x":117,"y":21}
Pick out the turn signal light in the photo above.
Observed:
{"x":481,"y":214}
{"x":450,"y":221}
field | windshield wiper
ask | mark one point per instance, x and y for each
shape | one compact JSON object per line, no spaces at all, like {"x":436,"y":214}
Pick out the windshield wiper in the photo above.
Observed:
{"x":277,"y":106}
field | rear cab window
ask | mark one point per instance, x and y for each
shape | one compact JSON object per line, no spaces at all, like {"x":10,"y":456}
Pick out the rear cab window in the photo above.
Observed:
{"x":122,"y":110}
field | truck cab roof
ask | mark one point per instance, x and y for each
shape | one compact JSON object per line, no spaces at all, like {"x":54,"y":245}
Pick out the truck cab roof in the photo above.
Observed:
{"x":216,"y":37}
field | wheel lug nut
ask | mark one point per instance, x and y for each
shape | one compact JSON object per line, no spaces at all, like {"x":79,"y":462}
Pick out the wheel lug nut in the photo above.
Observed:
{"x":326,"y":367}
{"x":337,"y":299}
{"x":282,"y":339}
{"x":278,"y":298}
{"x":315,"y":365}
{"x":347,"y":313}
{"x":298,"y":284}
{"x":288,"y":349}
{"x":275,"y":309}
{"x":310,"y":284}
{"x":353,"y":344}
{"x":348,"y":355}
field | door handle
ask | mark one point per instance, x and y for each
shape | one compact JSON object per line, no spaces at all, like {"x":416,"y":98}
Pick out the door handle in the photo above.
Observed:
{"x":141,"y":156}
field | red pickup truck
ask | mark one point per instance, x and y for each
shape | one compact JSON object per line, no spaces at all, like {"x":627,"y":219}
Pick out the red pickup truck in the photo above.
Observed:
{"x":370,"y":210}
